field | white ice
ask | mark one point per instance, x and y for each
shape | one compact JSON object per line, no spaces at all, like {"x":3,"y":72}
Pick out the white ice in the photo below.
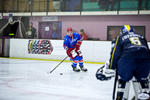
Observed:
{"x":31,"y":80}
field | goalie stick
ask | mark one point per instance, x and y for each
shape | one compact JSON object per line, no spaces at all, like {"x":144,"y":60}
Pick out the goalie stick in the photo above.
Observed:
{"x":58,"y":64}
{"x":115,"y":84}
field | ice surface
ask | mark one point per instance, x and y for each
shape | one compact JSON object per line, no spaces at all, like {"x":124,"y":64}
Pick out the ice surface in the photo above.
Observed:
{"x":30,"y":80}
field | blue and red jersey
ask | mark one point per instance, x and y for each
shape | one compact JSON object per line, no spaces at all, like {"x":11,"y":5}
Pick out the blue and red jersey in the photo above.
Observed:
{"x":70,"y":42}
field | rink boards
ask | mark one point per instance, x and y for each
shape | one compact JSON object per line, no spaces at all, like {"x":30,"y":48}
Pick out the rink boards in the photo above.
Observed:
{"x":93,"y":51}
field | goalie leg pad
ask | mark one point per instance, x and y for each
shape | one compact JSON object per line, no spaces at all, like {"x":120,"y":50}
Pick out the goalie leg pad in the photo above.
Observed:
{"x":121,"y":89}
{"x":144,"y":84}
{"x":145,"y":94}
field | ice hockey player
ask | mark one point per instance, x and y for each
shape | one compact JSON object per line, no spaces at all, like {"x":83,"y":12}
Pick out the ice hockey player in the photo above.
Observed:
{"x":72,"y":43}
{"x":130,"y":56}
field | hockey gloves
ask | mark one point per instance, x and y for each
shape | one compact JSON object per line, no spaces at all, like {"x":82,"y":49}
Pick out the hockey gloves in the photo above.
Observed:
{"x":102,"y":76}
{"x":107,"y":69}
{"x":70,"y":52}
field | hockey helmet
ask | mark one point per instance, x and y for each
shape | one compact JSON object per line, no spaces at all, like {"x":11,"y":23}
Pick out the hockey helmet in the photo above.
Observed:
{"x":126,"y":28}
{"x":69,"y":29}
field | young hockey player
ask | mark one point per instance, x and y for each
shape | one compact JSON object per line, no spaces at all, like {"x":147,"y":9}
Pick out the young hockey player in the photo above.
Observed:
{"x":72,"y":43}
{"x":130,"y":56}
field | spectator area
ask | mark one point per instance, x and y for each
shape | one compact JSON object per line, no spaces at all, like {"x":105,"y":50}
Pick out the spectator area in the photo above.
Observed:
{"x":121,"y":5}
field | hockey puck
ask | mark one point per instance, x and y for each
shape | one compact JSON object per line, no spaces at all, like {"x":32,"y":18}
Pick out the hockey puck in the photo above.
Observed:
{"x":61,"y":73}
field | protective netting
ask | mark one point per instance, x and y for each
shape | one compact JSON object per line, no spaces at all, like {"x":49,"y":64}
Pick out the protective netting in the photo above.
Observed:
{"x":12,"y":28}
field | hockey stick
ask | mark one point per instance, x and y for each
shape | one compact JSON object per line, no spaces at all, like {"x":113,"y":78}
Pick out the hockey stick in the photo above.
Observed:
{"x":59,"y":64}
{"x":115,"y":84}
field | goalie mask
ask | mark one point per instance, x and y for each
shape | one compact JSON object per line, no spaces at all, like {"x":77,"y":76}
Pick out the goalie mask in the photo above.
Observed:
{"x":126,"y":29}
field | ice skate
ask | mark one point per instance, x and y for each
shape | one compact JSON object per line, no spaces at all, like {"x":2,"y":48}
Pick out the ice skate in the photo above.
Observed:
{"x":75,"y":69}
{"x":143,"y":96}
{"x":83,"y":68}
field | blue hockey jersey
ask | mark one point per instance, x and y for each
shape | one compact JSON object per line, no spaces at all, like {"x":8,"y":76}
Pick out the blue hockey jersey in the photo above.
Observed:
{"x":70,"y":42}
{"x":128,"y":45}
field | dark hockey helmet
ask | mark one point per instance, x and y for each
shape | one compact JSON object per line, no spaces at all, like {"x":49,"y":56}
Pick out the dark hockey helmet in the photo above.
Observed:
{"x":126,"y":29}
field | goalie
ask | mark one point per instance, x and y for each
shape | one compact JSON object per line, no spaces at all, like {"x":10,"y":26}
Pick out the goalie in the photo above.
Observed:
{"x":130,"y":57}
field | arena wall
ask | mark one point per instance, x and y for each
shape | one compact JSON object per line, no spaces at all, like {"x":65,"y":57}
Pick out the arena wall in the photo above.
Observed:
{"x":96,"y":26}
{"x":93,"y":51}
